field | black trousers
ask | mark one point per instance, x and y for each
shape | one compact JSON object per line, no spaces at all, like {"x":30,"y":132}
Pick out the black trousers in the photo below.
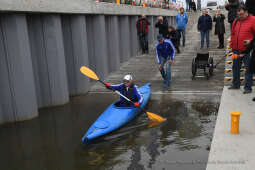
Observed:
{"x":221,"y":40}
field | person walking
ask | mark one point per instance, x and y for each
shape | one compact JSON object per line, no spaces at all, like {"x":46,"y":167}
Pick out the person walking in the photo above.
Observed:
{"x":142,"y":31}
{"x":162,"y":26}
{"x":173,"y":36}
{"x":232,"y":7}
{"x":243,"y":30}
{"x":182,"y":20}
{"x":219,"y":27}
{"x":250,"y":47}
{"x":129,"y":90}
{"x":204,"y":26}
{"x":165,"y":54}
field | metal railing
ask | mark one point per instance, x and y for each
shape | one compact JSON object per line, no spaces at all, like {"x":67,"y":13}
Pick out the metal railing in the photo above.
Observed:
{"x":164,"y":4}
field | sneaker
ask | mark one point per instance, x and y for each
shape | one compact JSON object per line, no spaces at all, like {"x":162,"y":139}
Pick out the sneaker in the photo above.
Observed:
{"x":253,"y":99}
{"x":247,"y":91}
{"x":233,"y":87}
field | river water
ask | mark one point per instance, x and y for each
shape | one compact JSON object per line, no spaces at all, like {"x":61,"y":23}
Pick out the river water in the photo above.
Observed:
{"x":53,"y":140}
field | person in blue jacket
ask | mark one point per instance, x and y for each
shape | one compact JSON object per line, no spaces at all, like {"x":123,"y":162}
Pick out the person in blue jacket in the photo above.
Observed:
{"x":204,"y":26}
{"x":129,"y":90}
{"x":182,"y":20}
{"x":165,"y":53}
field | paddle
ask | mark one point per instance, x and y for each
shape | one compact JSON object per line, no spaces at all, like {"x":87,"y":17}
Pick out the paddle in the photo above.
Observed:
{"x":91,"y":74}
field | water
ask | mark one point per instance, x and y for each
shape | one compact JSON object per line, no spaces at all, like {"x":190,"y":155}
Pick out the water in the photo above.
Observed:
{"x":52,"y":141}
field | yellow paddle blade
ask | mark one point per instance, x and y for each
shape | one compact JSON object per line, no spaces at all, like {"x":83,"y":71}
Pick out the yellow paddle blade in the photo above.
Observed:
{"x":88,"y":72}
{"x":155,"y":117}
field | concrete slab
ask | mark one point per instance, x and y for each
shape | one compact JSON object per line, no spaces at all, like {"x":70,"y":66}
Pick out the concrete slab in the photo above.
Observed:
{"x":80,"y":7}
{"x":234,"y":152}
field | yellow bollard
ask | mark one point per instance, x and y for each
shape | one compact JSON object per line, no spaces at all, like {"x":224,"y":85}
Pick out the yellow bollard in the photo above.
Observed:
{"x":235,"y":117}
{"x":118,"y":2}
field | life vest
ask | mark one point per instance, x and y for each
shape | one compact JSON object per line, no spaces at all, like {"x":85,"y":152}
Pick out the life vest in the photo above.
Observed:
{"x":129,"y":94}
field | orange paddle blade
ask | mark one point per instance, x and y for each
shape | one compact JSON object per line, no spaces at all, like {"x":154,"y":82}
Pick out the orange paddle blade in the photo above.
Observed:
{"x":155,"y":117}
{"x":88,"y":72}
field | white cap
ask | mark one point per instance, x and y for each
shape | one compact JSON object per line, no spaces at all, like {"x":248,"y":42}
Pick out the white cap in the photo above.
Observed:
{"x":127,"y":77}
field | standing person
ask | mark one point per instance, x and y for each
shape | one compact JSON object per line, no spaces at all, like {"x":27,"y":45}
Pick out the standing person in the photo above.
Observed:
{"x":232,"y":7}
{"x":219,"y":27}
{"x":182,"y":20}
{"x":162,"y":26}
{"x":142,"y":31}
{"x":165,"y":53}
{"x":243,"y":30}
{"x":249,"y":48}
{"x":193,"y":5}
{"x":129,"y":90}
{"x":173,"y":36}
{"x":204,"y":26}
{"x":250,"y":5}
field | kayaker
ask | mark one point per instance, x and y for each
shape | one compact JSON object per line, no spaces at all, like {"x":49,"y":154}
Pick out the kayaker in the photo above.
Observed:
{"x":128,"y":89}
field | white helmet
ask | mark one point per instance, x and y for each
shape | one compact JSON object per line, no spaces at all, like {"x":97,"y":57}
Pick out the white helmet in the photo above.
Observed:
{"x":127,"y":77}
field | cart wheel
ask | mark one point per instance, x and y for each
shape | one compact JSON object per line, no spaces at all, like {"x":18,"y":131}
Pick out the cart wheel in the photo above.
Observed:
{"x":211,"y":66}
{"x":194,"y":68}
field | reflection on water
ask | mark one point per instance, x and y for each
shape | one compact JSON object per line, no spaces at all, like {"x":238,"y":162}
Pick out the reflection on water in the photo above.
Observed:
{"x":52,"y":141}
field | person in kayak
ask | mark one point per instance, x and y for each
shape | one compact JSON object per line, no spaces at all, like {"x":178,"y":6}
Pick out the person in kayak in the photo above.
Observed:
{"x":128,"y":89}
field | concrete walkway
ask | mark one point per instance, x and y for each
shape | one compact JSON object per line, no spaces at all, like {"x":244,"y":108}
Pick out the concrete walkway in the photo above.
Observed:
{"x":234,"y":152}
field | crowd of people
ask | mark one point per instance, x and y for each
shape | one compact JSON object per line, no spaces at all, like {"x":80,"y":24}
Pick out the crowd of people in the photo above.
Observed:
{"x":242,"y":24}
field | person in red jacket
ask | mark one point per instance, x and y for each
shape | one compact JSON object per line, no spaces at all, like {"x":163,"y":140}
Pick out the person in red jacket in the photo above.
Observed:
{"x":243,"y":30}
{"x":142,"y":31}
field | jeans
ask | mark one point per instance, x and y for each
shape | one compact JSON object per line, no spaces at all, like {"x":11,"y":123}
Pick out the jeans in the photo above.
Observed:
{"x":237,"y":63}
{"x":166,"y":74}
{"x":143,"y":38}
{"x":187,"y":6}
{"x":181,"y":33}
{"x":205,"y":34}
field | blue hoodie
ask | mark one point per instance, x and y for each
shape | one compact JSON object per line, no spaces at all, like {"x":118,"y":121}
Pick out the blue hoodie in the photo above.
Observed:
{"x":182,"y":21}
{"x":165,"y":50}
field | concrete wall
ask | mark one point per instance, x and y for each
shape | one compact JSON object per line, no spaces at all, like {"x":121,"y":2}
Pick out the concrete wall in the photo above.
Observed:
{"x":41,"y":54}
{"x":17,"y":87}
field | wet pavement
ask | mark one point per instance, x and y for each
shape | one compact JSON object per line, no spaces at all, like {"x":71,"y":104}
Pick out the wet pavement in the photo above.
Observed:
{"x":52,"y":141}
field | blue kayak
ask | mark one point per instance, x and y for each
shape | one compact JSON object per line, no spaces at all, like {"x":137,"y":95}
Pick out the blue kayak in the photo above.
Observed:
{"x":114,"y":117}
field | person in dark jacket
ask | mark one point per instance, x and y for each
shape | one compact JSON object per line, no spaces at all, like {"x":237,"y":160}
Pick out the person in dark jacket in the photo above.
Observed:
{"x":204,"y":26}
{"x":142,"y":31}
{"x":172,"y":34}
{"x":250,"y":47}
{"x":193,"y":5}
{"x":250,"y":4}
{"x":219,"y":27}
{"x":162,"y":26}
{"x":232,"y":7}
{"x":129,"y":90}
